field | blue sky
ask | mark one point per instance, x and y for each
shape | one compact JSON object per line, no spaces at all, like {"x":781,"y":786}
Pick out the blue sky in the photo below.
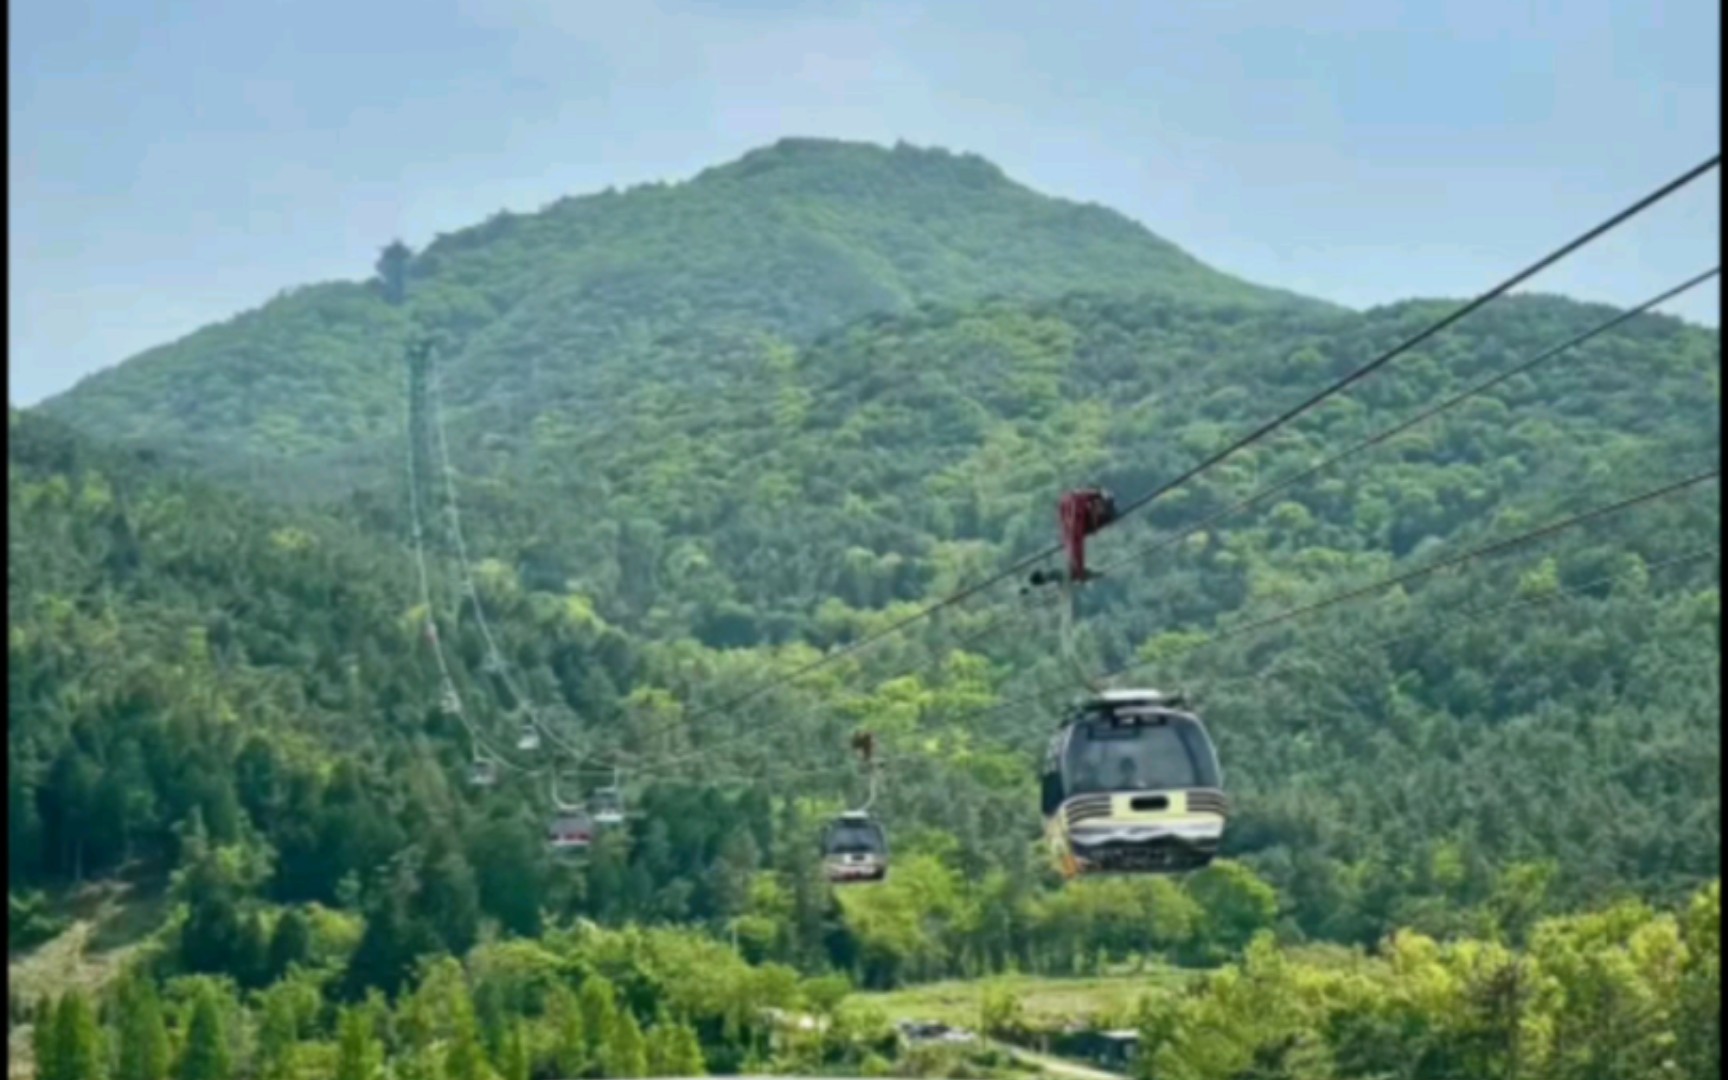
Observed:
{"x":176,"y":163}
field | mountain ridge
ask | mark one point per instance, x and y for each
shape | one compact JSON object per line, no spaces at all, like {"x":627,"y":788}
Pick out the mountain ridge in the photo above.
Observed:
{"x":787,"y":241}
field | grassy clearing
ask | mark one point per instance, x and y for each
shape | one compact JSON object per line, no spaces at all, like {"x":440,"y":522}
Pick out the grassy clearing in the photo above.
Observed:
{"x":1048,"y":1003}
{"x":110,"y":921}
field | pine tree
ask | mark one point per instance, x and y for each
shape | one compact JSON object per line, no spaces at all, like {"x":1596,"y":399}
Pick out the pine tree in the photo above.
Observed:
{"x":659,"y":1040}
{"x":206,"y":1054}
{"x":43,"y":1042}
{"x":77,"y":1040}
{"x":598,"y":1010}
{"x":277,"y":1039}
{"x":251,"y":963}
{"x":684,"y":1054}
{"x":570,"y":1045}
{"x":489,"y":1014}
{"x":354,"y":1052}
{"x":144,"y":1051}
{"x":462,"y":1058}
{"x":290,"y":943}
{"x":674,"y":1050}
{"x":515,"y":1063}
{"x":624,"y":1055}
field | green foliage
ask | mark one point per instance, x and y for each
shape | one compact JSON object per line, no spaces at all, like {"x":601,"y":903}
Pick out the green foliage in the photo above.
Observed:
{"x":1595,"y":995}
{"x":674,"y":1050}
{"x":357,"y":1053}
{"x":1000,"y":1015}
{"x":278,"y":1035}
{"x":515,"y":1063}
{"x":1626,"y":990}
{"x":464,"y":1058}
{"x":623,"y":1052}
{"x":598,"y":1010}
{"x":205,"y":1055}
{"x":69,"y":1045}
{"x":1235,"y":904}
{"x":29,"y":921}
{"x":144,"y":1051}
{"x":44,"y":1052}
{"x":571,"y":1051}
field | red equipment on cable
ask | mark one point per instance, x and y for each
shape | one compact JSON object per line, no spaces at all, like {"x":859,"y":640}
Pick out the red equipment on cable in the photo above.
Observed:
{"x":864,"y":745}
{"x":1083,"y":513}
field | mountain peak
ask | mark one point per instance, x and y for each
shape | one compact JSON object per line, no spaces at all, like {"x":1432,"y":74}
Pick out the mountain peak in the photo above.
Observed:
{"x":803,"y":157}
{"x":792,"y":240}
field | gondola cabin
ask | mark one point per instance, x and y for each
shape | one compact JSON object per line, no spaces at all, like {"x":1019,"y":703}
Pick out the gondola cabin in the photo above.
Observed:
{"x":607,"y":806}
{"x":1131,"y":784}
{"x":854,"y":849}
{"x":570,"y":833}
{"x":482,"y":772}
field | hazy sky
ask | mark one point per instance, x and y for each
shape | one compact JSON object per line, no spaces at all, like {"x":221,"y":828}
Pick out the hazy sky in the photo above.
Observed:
{"x":176,"y":163}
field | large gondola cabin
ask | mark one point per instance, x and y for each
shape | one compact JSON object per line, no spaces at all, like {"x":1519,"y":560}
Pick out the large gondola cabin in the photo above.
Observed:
{"x":1131,"y":784}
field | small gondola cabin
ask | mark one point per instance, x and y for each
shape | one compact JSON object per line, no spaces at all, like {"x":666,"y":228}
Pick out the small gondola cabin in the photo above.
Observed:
{"x":854,"y":849}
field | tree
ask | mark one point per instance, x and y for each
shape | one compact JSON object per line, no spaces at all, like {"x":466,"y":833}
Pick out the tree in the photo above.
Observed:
{"x":1699,"y":1019}
{"x":78,"y":1050}
{"x":212,"y":879}
{"x":570,"y":1049}
{"x":507,"y":870}
{"x":393,"y":271}
{"x":205,"y":1056}
{"x":674,"y":1050}
{"x":1237,"y":904}
{"x":144,"y":1052}
{"x":515,"y":1065}
{"x":290,"y":943}
{"x":393,"y":940}
{"x":599,"y":1010}
{"x":278,"y":1032}
{"x":463,"y":1057}
{"x":449,"y":897}
{"x":43,"y":1043}
{"x":251,"y":963}
{"x":357,"y":1054}
{"x":825,"y":993}
{"x":1000,"y":1014}
{"x":624,"y":1054}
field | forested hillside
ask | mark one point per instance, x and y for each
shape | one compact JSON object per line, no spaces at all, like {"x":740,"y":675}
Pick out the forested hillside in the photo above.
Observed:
{"x":561,"y":308}
{"x":703,"y":434}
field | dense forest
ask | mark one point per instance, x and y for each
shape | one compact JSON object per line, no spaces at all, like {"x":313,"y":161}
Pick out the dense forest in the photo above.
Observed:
{"x":706,"y":433}
{"x":1621,"y":994}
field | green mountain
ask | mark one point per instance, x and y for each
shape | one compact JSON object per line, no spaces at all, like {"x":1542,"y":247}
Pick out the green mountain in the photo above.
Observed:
{"x":565,"y":307}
